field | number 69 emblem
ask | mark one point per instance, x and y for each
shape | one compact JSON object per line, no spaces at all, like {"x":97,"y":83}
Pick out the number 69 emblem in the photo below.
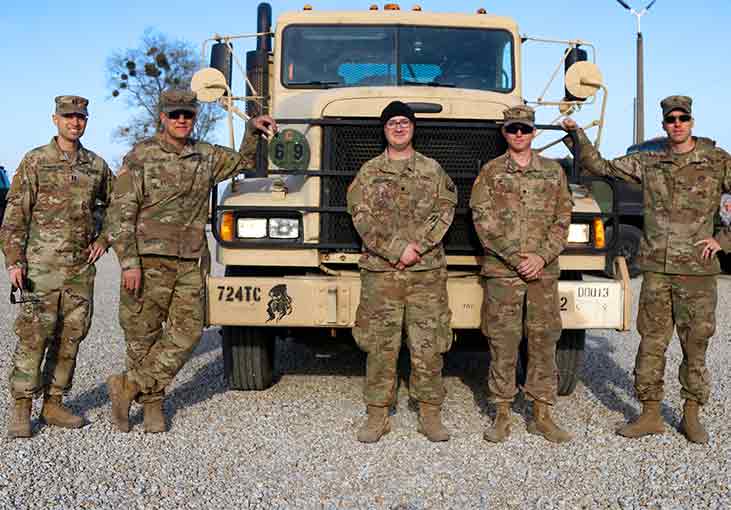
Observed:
{"x":289,"y":150}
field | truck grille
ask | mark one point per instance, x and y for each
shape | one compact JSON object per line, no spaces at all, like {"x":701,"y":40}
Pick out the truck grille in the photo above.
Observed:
{"x":461,"y":149}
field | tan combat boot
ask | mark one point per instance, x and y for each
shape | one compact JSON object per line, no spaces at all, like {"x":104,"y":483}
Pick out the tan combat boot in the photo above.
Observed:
{"x":430,"y":423}
{"x":122,"y":392}
{"x":154,"y":417}
{"x":19,"y":420}
{"x":376,"y":426}
{"x":500,"y":429}
{"x":55,"y":413}
{"x":542,"y":424}
{"x":649,"y":422}
{"x":690,"y":425}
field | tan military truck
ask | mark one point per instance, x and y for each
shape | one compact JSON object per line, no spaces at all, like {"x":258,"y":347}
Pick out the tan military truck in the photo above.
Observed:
{"x":283,"y":234}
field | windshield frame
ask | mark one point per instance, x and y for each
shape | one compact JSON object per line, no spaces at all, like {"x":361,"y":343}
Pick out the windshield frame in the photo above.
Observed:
{"x":399,"y":78}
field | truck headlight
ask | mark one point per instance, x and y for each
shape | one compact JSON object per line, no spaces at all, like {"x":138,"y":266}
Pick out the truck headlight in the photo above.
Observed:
{"x":252,"y":228}
{"x":579,"y":233}
{"x":284,"y":228}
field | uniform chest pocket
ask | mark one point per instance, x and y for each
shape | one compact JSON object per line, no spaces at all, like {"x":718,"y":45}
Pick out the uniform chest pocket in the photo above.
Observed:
{"x":54,"y":183}
{"x":385,"y":193}
{"x":505,"y":185}
{"x":160,"y":180}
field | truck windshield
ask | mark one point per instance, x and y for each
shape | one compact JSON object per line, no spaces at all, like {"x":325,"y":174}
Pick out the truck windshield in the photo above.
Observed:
{"x":355,"y":55}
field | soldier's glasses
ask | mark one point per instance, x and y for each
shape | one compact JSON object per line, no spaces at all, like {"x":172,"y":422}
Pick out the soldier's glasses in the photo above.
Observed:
{"x":672,"y":119}
{"x":523,"y":128}
{"x":186,"y":114}
{"x":394,"y":124}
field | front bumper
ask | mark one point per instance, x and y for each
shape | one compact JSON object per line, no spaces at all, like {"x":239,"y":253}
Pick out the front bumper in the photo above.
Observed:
{"x":331,"y":301}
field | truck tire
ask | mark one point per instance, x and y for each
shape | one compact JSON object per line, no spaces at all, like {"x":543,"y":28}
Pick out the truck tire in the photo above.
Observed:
{"x":248,"y":358}
{"x":628,"y":246}
{"x":569,"y":359}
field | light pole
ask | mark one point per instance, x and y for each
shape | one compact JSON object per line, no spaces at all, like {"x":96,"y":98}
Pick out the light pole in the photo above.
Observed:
{"x":640,"y":98}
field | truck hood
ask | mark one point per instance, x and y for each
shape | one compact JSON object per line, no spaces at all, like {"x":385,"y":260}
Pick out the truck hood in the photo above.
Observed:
{"x":368,"y":102}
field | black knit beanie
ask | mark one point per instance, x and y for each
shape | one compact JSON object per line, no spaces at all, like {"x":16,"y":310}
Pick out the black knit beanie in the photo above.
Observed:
{"x":397,"y":109}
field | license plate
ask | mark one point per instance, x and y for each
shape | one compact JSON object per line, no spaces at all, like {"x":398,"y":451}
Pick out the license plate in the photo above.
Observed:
{"x":591,"y":304}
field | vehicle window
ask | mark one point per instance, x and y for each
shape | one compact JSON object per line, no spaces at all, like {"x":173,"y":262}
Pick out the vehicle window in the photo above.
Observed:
{"x":355,"y":56}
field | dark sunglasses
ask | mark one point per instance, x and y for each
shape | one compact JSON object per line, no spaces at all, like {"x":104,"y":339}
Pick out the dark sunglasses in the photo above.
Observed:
{"x":523,"y":128}
{"x":79,"y":116}
{"x":187,"y":115}
{"x":672,"y":119}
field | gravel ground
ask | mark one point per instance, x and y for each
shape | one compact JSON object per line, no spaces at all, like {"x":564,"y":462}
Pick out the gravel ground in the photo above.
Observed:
{"x":293,"y":446}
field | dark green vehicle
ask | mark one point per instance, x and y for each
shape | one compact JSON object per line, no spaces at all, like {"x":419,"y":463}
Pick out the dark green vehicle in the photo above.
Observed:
{"x":4,"y":186}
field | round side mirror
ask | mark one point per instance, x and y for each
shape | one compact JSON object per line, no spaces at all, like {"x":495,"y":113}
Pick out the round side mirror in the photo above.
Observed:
{"x":209,"y":84}
{"x":583,"y":79}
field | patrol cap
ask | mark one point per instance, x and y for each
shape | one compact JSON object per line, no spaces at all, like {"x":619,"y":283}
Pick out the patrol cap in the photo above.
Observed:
{"x":671,"y":103}
{"x":521,"y":114}
{"x":175,"y":99}
{"x":66,"y":105}
{"x":397,"y":109}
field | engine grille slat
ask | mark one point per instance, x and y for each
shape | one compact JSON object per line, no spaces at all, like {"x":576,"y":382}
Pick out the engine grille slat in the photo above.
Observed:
{"x":461,"y":150}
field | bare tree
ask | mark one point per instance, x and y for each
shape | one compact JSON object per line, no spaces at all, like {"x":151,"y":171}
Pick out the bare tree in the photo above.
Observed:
{"x":139,"y":75}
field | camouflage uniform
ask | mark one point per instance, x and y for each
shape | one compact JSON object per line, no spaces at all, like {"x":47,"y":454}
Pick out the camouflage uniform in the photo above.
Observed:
{"x":157,"y":223}
{"x":515,"y":211}
{"x":48,"y":227}
{"x":680,"y":199}
{"x":521,"y":210}
{"x":392,"y":204}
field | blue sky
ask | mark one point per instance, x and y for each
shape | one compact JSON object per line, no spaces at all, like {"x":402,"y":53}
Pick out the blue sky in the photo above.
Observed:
{"x":50,"y":48}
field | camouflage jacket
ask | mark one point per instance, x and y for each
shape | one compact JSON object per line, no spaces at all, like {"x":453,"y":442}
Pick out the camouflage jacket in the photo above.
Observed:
{"x":681,"y":196}
{"x":518,"y":210}
{"x":160,"y":200}
{"x":49,"y":219}
{"x":391,"y":208}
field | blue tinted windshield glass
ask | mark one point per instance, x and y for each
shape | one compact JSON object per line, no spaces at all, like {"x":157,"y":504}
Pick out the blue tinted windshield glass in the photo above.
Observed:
{"x":356,"y":56}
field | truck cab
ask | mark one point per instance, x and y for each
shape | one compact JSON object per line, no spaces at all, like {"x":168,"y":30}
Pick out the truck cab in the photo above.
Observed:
{"x":283,"y":233}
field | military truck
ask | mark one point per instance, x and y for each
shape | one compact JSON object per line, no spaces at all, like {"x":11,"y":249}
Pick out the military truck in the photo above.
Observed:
{"x":289,"y":248}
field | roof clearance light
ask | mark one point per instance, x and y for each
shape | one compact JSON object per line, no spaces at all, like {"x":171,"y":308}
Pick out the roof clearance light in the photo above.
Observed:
{"x":481,"y":10}
{"x":307,"y":7}
{"x":391,"y":7}
{"x":416,"y":8}
{"x":373,"y":7}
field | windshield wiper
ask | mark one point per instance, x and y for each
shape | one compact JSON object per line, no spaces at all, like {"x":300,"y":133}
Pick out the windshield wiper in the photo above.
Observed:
{"x":321,"y":84}
{"x":428,"y":83}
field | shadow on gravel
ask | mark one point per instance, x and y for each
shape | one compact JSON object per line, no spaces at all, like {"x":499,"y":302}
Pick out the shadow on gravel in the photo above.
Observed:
{"x":207,"y":381}
{"x":98,"y":396}
{"x":611,"y":384}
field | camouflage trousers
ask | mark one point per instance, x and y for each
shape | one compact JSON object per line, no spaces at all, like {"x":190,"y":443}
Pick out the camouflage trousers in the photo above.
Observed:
{"x":394,"y":301}
{"x":513,"y":309}
{"x":164,"y":324}
{"x":687,"y":303}
{"x":50,"y":326}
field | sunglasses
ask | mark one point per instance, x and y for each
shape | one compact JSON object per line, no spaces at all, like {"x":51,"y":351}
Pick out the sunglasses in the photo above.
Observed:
{"x":514,"y":128}
{"x":187,"y":115}
{"x":672,"y":119}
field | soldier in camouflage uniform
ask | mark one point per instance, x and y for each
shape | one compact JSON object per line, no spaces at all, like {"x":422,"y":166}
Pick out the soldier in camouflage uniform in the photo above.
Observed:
{"x":156,"y":226}
{"x":521,"y":207}
{"x":402,"y":204}
{"x":682,"y":189}
{"x":47,"y":238}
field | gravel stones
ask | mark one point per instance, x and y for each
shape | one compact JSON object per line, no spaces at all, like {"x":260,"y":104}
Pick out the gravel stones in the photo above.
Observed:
{"x":293,"y":446}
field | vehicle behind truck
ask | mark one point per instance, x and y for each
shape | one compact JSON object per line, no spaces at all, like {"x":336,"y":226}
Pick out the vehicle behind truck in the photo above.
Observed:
{"x":282,"y":231}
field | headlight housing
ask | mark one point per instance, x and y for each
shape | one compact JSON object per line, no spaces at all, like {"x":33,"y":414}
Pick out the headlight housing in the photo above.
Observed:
{"x":284,"y":228}
{"x":251,"y":228}
{"x":579,"y":233}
